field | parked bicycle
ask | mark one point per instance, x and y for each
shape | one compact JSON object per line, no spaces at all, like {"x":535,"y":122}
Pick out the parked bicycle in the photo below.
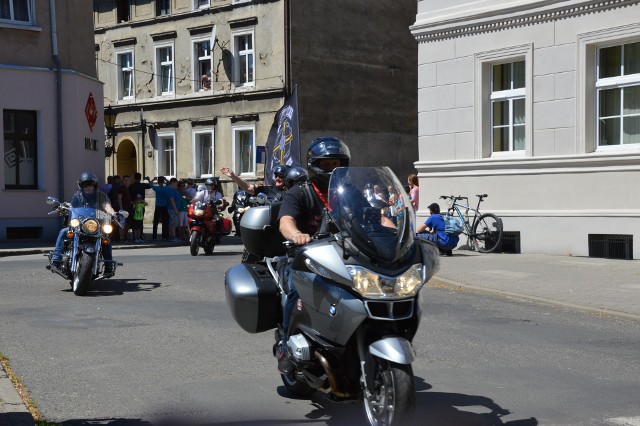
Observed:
{"x":484,"y":231}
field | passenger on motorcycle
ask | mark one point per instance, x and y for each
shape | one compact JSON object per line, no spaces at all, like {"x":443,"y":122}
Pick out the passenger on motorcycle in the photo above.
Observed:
{"x":279,"y":176}
{"x":301,"y":216}
{"x":296,"y":176}
{"x":88,"y":194}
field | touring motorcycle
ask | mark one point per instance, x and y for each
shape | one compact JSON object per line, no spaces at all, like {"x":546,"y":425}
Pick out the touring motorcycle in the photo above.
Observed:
{"x":206,"y":226}
{"x":88,"y":228}
{"x":351,"y":330}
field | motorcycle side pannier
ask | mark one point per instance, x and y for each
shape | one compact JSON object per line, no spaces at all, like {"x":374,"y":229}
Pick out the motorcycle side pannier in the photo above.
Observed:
{"x":252,"y":296}
{"x":259,"y":230}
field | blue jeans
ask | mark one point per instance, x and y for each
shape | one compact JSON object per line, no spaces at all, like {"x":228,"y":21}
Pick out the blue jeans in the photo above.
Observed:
{"x":434,"y":239}
{"x":292,"y":297}
{"x":62,"y":235}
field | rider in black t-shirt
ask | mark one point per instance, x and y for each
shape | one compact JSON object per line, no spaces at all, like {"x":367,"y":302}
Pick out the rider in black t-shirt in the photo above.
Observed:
{"x":301,"y":215}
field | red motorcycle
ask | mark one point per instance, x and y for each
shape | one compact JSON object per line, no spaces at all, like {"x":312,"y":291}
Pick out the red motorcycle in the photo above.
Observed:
{"x":206,"y":226}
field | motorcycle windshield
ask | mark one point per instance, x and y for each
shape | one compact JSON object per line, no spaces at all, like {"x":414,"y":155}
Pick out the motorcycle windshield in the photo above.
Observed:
{"x":370,"y":206}
{"x":90,"y":211}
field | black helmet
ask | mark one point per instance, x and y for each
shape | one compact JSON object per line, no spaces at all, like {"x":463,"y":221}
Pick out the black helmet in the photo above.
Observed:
{"x":281,"y":171}
{"x":296,"y":176}
{"x":87,"y":177}
{"x":212,"y":181}
{"x":325,"y":147}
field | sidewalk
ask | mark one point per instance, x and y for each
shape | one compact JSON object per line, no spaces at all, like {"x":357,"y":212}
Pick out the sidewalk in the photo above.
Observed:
{"x":599,"y":286}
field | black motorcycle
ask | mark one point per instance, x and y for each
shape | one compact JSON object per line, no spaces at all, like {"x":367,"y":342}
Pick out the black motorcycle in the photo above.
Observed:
{"x":358,"y":310}
{"x":237,"y":208}
{"x":88,"y":228}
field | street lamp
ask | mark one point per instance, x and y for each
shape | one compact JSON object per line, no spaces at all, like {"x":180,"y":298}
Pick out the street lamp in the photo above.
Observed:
{"x":110,"y":123}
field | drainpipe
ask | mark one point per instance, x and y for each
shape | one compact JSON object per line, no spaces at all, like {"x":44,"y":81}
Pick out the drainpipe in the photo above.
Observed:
{"x":56,"y":59}
{"x":287,"y":48}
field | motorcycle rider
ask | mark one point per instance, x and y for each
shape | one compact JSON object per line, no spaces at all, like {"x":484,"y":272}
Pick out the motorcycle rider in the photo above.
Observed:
{"x":211,"y":194}
{"x":301,"y":215}
{"x":88,"y":194}
{"x":279,"y":176}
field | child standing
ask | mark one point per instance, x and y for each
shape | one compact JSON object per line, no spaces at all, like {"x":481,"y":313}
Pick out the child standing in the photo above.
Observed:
{"x":138,"y":217}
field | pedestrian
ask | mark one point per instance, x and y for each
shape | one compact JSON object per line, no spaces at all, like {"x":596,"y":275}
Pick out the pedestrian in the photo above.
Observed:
{"x":137,"y":223}
{"x":433,"y":229}
{"x":414,"y":191}
{"x":175,"y":199}
{"x":161,"y":212}
{"x":124,"y":200}
{"x":138,"y":187}
{"x":183,"y":220}
{"x":106,"y":188}
{"x":191,"y":188}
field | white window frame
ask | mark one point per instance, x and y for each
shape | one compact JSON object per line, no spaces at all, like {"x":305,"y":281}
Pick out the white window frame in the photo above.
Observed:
{"x":196,"y":151}
{"x":618,"y":82}
{"x":586,"y":95}
{"x":483,"y":132}
{"x":201,"y":4}
{"x":197,"y":80}
{"x":241,"y":55}
{"x":236,"y":154}
{"x":160,"y":154}
{"x":30,"y":11}
{"x":509,"y":95}
{"x":159,"y":64}
{"x":121,"y":76}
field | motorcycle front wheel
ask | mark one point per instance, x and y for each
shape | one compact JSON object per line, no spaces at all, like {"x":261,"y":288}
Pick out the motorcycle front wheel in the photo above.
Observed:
{"x":393,"y":398}
{"x":194,"y":243}
{"x":82,"y":276}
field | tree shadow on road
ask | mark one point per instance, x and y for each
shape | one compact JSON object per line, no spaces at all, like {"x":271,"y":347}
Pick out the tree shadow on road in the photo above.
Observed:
{"x":118,"y":287}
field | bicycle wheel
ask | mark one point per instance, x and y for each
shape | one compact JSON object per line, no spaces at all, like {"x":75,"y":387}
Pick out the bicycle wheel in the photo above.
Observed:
{"x":487,"y":233}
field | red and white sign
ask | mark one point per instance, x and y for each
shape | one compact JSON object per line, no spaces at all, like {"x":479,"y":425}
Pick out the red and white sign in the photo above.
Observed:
{"x":91,"y":111}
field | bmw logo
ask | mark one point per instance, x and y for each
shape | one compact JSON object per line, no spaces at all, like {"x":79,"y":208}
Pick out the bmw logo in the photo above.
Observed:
{"x":332,"y":310}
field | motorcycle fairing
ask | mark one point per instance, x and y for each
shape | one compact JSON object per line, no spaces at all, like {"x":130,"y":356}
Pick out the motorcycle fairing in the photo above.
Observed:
{"x":393,"y":348}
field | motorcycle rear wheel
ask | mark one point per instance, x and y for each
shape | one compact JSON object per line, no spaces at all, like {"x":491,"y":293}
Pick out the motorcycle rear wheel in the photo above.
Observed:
{"x":393,"y":400}
{"x":82,"y":276}
{"x":194,"y":243}
{"x":295,"y":387}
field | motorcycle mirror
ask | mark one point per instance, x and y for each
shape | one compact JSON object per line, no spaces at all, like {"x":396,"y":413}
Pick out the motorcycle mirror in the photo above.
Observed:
{"x":124,"y":213}
{"x":52,"y":200}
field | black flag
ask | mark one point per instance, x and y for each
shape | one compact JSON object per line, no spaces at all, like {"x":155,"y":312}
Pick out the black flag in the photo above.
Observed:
{"x":283,"y":143}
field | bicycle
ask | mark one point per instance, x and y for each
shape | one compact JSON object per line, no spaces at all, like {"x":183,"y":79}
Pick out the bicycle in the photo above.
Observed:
{"x":485,"y":231}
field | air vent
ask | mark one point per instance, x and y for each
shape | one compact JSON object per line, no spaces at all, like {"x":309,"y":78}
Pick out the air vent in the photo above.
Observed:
{"x":611,"y":246}
{"x":509,"y":243}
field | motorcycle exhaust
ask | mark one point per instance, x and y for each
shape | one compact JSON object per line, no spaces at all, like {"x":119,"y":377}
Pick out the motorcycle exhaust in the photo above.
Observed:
{"x":331,"y":377}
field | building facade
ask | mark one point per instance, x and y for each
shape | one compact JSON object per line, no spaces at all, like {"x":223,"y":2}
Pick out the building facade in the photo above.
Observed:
{"x":537,"y":104}
{"x":207,"y":77}
{"x":51,"y":104}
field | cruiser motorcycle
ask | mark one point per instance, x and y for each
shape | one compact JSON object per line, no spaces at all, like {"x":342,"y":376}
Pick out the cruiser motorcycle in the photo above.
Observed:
{"x":350,"y":334}
{"x":206,"y":226}
{"x":88,"y":228}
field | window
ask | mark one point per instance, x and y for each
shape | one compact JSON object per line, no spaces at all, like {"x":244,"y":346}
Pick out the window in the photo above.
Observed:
{"x":163,"y":7}
{"x":20,"y":149}
{"x":618,"y":95}
{"x":203,"y":153}
{"x":123,"y":10}
{"x":200,"y":4}
{"x":202,"y":59}
{"x":164,"y":70}
{"x":244,"y":63}
{"x":125,"y":77}
{"x":508,"y":107}
{"x":17,"y":11}
{"x":244,"y":150}
{"x":166,"y":155}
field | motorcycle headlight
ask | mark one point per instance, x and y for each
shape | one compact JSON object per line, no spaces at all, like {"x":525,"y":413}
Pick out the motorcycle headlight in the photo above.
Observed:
{"x":376,"y":286}
{"x":74,"y":223}
{"x":107,"y":228}
{"x":198,"y":212}
{"x":90,"y":226}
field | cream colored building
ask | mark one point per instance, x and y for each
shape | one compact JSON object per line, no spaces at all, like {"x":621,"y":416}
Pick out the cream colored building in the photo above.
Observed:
{"x":209,"y":75}
{"x":536,"y":103}
{"x":51,"y":129}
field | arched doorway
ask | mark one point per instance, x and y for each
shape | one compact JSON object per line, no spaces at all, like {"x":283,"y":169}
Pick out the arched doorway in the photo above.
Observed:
{"x":126,"y":158}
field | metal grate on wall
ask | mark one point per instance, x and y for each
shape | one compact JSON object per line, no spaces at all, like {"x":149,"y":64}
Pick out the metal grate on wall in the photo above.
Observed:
{"x":509,"y":243}
{"x":611,"y":246}
{"x":24,"y":233}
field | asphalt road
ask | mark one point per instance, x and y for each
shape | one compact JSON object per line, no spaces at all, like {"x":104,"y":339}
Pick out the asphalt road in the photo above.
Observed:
{"x":157,"y":344}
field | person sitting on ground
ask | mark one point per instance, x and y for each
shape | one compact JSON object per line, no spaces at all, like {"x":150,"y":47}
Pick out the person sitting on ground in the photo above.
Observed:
{"x":433,"y":230}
